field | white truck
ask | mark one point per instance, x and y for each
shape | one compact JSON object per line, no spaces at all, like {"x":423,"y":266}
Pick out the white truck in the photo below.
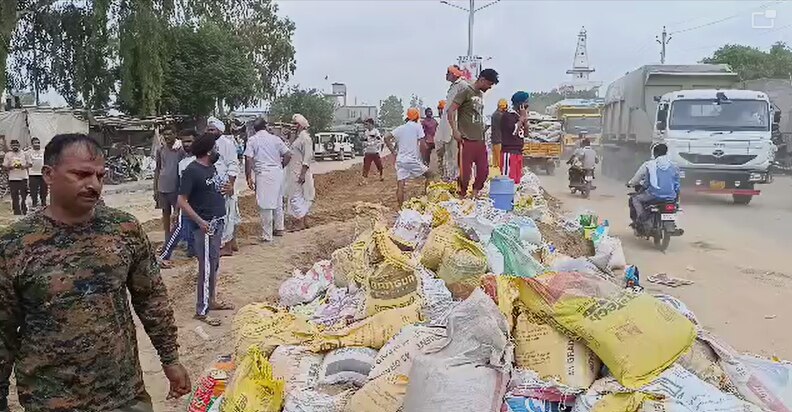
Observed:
{"x":719,"y":136}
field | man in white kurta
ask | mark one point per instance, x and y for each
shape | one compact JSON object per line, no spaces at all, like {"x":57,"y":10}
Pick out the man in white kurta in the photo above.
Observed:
{"x":446,"y":147}
{"x":265,"y":157}
{"x":228,"y":166}
{"x":300,"y":190}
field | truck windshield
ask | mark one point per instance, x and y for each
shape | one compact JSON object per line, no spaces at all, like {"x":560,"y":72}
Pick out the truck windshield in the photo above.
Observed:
{"x":591,"y":125}
{"x":736,"y":115}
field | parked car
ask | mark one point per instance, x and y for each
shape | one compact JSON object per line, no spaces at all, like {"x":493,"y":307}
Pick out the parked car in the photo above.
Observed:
{"x":333,"y":145}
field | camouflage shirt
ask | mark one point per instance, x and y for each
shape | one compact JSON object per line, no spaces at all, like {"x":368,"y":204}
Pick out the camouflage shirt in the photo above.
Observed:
{"x":65,"y":321}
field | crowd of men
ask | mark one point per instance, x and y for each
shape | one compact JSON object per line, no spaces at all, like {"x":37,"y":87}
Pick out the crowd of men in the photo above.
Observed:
{"x":69,"y":272}
{"x":458,"y":137}
{"x":21,"y":169}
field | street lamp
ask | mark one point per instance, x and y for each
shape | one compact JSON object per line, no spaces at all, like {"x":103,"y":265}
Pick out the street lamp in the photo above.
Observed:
{"x":471,"y":13}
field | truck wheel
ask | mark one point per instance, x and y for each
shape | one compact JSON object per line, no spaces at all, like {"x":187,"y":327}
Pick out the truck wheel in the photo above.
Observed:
{"x":550,"y":168}
{"x":340,"y":156}
{"x":742,"y":199}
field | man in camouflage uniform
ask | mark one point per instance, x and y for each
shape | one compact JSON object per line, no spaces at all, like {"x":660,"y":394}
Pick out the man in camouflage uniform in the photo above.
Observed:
{"x":65,"y":323}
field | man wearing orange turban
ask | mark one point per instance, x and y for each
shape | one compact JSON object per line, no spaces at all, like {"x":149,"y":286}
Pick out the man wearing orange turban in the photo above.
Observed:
{"x":447,"y":148}
{"x":408,"y":139}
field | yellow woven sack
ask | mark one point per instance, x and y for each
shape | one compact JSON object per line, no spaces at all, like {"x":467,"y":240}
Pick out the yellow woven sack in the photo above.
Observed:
{"x":352,"y":263}
{"x":266,"y":327}
{"x":382,"y":394}
{"x":554,"y":356}
{"x":635,"y":335}
{"x":253,"y":388}
{"x":391,"y":286}
{"x":372,"y":332}
{"x":439,"y":241}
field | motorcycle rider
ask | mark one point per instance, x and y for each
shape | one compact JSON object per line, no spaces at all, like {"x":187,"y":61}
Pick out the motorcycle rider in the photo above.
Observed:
{"x":659,"y":178}
{"x":583,"y":162}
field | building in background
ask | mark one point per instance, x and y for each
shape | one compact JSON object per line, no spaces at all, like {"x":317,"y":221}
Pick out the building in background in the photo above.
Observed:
{"x":580,"y":70}
{"x":345,"y":113}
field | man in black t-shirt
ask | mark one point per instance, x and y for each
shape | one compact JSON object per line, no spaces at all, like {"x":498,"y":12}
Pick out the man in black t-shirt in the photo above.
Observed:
{"x":202,"y":197}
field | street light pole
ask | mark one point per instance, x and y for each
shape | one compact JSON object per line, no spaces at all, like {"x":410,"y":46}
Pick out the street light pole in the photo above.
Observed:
{"x":471,"y":15}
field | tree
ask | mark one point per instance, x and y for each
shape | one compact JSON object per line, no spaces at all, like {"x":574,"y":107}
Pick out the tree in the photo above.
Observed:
{"x":310,"y":103}
{"x":391,"y":112}
{"x":203,"y":66}
{"x":84,"y":49}
{"x":266,"y":38}
{"x":9,"y":13}
{"x":752,"y":63}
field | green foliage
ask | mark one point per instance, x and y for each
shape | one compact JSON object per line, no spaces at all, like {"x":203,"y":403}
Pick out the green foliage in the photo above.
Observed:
{"x":391,"y":112}
{"x":81,"y":72}
{"x":203,"y":65}
{"x":310,"y":103}
{"x":266,"y":38}
{"x":74,"y":46}
{"x":752,"y":63}
{"x":142,"y":31}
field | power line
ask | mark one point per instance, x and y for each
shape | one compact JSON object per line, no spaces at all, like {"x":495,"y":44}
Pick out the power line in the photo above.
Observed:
{"x":721,"y":20}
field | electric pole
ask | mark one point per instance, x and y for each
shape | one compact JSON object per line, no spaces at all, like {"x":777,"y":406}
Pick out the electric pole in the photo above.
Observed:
{"x":663,"y":39}
{"x":471,"y":10}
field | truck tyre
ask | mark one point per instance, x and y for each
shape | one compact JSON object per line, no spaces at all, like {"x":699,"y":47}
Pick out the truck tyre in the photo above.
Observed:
{"x":550,"y":168}
{"x":341,"y":156}
{"x":742,"y":199}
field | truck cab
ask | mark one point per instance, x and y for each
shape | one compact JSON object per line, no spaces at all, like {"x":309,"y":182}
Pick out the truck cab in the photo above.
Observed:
{"x":721,"y":139}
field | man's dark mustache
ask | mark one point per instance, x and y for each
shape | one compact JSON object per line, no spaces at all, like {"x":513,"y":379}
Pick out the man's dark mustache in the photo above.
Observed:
{"x":90,"y":193}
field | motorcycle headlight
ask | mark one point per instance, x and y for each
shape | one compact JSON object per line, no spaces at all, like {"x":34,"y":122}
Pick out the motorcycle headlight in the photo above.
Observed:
{"x":681,"y":174}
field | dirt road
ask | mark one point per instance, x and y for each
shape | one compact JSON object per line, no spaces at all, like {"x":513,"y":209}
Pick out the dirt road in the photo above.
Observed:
{"x":738,"y":257}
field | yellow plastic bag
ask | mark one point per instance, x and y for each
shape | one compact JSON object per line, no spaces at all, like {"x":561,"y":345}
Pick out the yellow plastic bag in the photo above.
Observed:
{"x":635,"y":335}
{"x":266,"y":327}
{"x":372,"y":332}
{"x":253,"y":388}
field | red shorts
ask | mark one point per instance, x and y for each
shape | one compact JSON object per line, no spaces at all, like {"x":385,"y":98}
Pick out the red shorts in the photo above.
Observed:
{"x":512,"y":166}
{"x":370,"y":158}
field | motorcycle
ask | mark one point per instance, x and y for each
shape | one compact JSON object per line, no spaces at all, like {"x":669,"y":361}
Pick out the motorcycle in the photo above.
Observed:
{"x":658,"y":221}
{"x":580,"y":180}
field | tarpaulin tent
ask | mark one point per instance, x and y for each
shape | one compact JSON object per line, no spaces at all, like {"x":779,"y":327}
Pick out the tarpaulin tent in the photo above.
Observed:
{"x":24,"y":124}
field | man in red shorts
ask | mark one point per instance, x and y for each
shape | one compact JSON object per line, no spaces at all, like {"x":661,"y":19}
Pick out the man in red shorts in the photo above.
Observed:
{"x":466,"y":118}
{"x":514,"y":125}
{"x":429,"y":124}
{"x":371,"y":151}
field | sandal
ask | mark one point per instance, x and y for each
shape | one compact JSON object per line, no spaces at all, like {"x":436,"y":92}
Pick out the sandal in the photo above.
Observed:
{"x":165,"y":264}
{"x":208,"y":320}
{"x":220,"y":305}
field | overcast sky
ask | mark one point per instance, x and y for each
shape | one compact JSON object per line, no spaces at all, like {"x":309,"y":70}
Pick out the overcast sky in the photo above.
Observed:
{"x":383,"y":47}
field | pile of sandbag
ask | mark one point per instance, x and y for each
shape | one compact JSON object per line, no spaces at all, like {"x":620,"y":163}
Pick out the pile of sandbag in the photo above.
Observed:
{"x":545,"y":131}
{"x":462,"y":307}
